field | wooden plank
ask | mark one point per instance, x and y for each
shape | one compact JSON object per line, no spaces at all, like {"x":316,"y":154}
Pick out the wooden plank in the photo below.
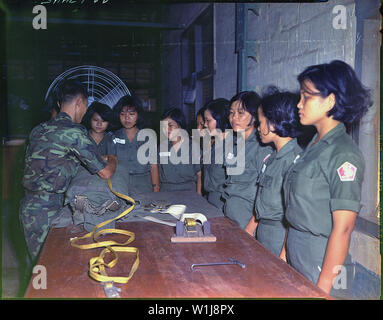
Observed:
{"x":164,"y":270}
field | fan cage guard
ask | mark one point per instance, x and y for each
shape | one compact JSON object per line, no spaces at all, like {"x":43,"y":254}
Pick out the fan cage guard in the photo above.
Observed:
{"x":103,"y":85}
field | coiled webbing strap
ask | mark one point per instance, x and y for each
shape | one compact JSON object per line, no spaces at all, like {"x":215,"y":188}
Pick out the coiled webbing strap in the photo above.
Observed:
{"x":97,"y":265}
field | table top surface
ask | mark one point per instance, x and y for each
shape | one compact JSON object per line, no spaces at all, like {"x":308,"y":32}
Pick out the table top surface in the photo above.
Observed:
{"x":165,"y":268}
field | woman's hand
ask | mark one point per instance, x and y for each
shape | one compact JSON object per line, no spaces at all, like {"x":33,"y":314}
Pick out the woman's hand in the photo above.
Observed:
{"x":251,"y":227}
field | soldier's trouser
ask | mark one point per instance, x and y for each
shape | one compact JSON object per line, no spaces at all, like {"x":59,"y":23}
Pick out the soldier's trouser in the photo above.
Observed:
{"x":305,"y":252}
{"x":37,"y":211}
{"x":239,"y":210}
{"x":271,"y":234}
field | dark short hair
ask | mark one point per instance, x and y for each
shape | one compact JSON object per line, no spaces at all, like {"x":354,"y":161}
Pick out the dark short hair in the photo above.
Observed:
{"x":176,"y":115}
{"x":102,"y":109}
{"x":201,"y":112}
{"x":280,"y":110}
{"x":250,"y":101}
{"x":69,"y":89}
{"x":219,"y":109}
{"x":352,"y":100}
{"x":131,"y":102}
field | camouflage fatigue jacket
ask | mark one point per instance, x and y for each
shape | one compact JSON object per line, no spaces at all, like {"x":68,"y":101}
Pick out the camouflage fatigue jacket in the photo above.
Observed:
{"x":55,"y":151}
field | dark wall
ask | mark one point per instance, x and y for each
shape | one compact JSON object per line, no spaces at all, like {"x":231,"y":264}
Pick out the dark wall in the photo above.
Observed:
{"x":76,"y":35}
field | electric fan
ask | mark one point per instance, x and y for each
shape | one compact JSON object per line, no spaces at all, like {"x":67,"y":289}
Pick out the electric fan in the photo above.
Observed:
{"x":102,"y":85}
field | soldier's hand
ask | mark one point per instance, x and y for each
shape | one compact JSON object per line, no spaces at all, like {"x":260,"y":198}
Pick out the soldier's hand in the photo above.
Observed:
{"x":111,"y":164}
{"x":112,"y":158}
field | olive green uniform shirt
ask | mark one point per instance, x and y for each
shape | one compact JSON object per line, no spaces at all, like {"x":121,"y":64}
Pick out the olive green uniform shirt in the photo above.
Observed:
{"x":269,"y":201}
{"x":214,"y":174}
{"x":178,"y":176}
{"x":240,"y":190}
{"x":326,"y":177}
{"x":106,"y":145}
{"x":138,"y":175}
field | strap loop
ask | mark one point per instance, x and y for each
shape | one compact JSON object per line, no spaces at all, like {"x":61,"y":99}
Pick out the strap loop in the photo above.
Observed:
{"x":97,"y":265}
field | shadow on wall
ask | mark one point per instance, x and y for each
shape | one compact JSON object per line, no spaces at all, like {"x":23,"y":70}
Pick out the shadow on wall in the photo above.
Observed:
{"x":13,"y":192}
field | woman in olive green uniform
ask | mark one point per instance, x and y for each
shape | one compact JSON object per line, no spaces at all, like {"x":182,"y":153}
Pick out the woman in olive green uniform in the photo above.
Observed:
{"x":240,"y":186}
{"x":323,"y":189}
{"x":142,"y":177}
{"x":214,"y":173}
{"x":98,"y":120}
{"x":279,"y":125}
{"x":178,"y":156}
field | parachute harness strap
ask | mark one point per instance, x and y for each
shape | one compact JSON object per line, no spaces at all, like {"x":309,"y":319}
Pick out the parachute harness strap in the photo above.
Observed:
{"x":97,"y":265}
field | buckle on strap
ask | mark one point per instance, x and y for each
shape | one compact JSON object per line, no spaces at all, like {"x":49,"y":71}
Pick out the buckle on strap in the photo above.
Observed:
{"x":110,"y":290}
{"x":79,"y":202}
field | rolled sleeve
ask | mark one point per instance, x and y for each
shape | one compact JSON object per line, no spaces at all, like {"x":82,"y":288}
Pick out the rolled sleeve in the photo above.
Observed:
{"x":343,"y":204}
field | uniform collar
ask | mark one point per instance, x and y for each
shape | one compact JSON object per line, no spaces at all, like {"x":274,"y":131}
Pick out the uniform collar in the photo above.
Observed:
{"x":287,"y":148}
{"x":252,"y":136}
{"x":339,"y":130}
{"x":63,"y":115}
{"x":121,"y":133}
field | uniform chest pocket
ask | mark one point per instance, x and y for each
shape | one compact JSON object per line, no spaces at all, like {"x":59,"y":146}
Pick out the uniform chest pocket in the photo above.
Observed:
{"x":265,"y":181}
{"x":301,"y":184}
{"x":121,"y":150}
{"x":249,"y":176}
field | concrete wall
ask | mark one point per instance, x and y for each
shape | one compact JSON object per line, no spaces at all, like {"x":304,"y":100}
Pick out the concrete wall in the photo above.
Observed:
{"x":290,"y":37}
{"x":369,"y":126}
{"x":225,"y":59}
{"x":225,"y":78}
{"x":172,"y":85}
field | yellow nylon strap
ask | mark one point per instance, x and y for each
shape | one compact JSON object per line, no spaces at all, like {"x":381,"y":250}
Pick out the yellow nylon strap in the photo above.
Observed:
{"x":97,"y":264}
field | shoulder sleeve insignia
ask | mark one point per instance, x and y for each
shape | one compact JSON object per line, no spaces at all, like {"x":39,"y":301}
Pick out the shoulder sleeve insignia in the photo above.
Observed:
{"x":347,"y":172}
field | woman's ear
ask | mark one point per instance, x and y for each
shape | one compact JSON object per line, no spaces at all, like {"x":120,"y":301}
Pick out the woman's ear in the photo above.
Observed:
{"x":330,"y":101}
{"x":270,"y":126}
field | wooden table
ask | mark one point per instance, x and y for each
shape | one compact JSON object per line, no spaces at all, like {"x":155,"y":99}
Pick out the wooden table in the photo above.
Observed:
{"x":164,"y":270}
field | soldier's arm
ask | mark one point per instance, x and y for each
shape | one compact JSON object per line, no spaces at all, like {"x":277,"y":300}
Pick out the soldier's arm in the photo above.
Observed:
{"x":111,"y":164}
{"x":337,"y":247}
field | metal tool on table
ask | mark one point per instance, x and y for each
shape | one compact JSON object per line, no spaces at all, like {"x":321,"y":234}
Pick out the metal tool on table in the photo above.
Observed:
{"x":193,"y":227}
{"x":231,"y":261}
{"x":190,"y":227}
{"x":157,"y":206}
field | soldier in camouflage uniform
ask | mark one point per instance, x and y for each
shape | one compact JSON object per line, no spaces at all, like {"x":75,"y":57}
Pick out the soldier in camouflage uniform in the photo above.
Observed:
{"x":56,"y":150}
